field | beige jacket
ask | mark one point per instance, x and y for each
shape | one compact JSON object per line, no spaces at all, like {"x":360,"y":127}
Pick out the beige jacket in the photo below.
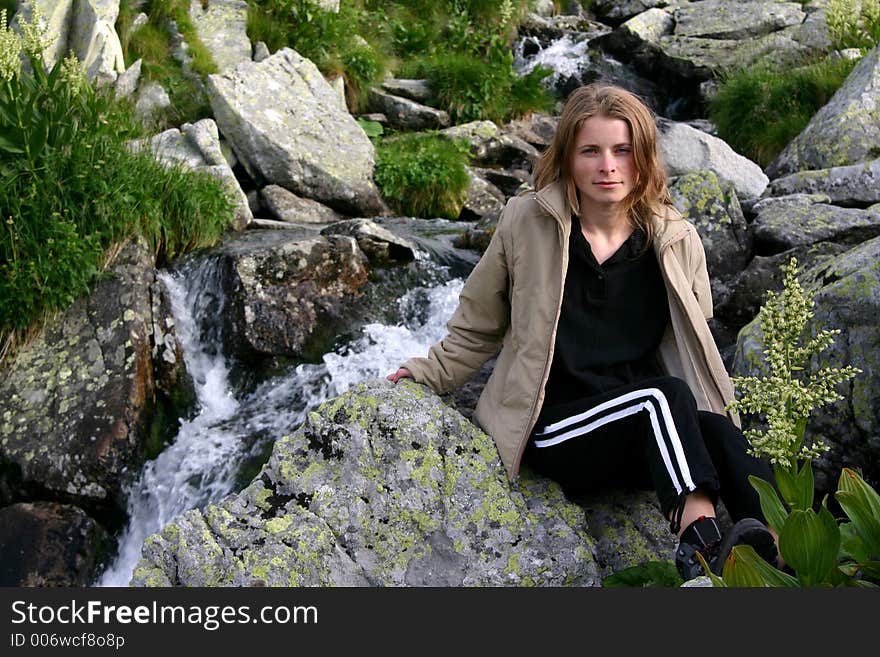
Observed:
{"x":513,"y":298}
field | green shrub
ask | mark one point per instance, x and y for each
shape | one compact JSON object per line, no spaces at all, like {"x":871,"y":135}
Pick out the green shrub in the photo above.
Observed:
{"x":758,"y":111}
{"x":70,"y":189}
{"x":462,"y":46}
{"x":350,"y":43}
{"x":820,"y":551}
{"x":151,"y":44}
{"x":423,"y":174}
{"x":853,"y":23}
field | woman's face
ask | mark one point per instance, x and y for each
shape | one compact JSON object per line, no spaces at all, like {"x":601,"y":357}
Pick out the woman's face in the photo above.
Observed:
{"x":602,"y":164}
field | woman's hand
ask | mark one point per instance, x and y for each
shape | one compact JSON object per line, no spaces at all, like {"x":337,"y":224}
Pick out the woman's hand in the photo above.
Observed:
{"x":402,"y":373}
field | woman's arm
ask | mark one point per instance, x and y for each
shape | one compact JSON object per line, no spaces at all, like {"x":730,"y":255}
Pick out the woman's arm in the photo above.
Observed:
{"x":477,"y":326}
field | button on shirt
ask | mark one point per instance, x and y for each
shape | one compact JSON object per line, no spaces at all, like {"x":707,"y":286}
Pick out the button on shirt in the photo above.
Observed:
{"x":612,"y":320}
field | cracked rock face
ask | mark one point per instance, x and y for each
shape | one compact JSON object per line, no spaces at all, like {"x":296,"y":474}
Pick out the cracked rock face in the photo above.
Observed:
{"x":385,"y":486}
{"x":287,"y":128}
{"x":290,"y":294}
{"x":74,"y":405}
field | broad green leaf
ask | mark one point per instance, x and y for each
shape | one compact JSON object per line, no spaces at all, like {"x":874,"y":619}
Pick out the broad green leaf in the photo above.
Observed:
{"x":806,"y":485}
{"x":851,"y":543}
{"x":716,"y":581}
{"x":790,"y":485}
{"x":648,"y":574}
{"x":772,"y":507}
{"x":809,"y":543}
{"x":9,"y":146}
{"x":38,"y":138}
{"x":745,"y":568}
{"x":861,"y":504}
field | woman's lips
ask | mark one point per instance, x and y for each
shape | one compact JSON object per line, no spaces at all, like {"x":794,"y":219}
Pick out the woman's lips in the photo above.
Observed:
{"x":607,"y":184}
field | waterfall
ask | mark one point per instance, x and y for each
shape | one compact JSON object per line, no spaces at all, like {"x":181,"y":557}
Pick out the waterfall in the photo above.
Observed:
{"x":201,"y":464}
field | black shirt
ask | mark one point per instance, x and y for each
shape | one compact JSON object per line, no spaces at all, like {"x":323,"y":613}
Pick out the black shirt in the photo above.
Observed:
{"x":612,"y":320}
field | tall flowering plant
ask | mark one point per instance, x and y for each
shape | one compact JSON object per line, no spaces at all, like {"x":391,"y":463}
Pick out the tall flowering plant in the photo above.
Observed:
{"x":811,"y":542}
{"x":39,"y":108}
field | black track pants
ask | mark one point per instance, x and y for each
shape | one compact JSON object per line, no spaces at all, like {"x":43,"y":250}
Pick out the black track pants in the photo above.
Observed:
{"x":648,"y":434}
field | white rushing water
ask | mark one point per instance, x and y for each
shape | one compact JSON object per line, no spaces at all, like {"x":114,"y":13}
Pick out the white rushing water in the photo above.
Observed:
{"x":566,"y":57}
{"x":200,"y":466}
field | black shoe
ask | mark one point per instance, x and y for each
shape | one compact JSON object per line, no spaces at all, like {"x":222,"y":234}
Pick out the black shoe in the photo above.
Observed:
{"x":704,"y":536}
{"x":747,"y":531}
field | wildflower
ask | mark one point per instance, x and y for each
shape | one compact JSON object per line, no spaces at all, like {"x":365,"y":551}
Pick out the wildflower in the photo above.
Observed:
{"x":72,"y":74}
{"x":785,"y":399}
{"x":10,"y":50}
{"x":33,"y":32}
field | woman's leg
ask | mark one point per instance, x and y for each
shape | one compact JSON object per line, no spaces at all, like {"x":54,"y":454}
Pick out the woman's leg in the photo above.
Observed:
{"x":728,"y":448}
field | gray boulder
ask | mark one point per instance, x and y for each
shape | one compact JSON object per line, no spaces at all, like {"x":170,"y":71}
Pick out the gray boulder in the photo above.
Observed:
{"x":714,"y":210}
{"x":723,"y":19}
{"x":76,"y":404}
{"x":484,"y":200}
{"x":404,"y":113}
{"x":84,"y":27}
{"x":289,"y":294}
{"x":749,"y":290}
{"x":286,"y":126}
{"x":615,"y":12}
{"x":685,"y":150}
{"x":221,"y":26}
{"x":417,"y":90}
{"x":786,"y":222}
{"x":48,"y":544}
{"x":382,"y":486}
{"x":197,"y":147}
{"x":287,"y":206}
{"x":856,"y":184}
{"x":845,"y":131}
{"x":846,"y":291}
{"x":381,"y":246}
{"x":152,"y":101}
{"x":490,"y":146}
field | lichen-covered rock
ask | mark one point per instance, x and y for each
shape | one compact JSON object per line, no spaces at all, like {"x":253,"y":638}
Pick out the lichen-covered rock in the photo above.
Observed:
{"x":197,"y":147}
{"x":723,"y":19}
{"x":48,"y":544}
{"x":406,"y":114}
{"x":490,"y":146}
{"x":76,"y":403}
{"x":847,"y":296}
{"x":696,"y":41}
{"x":762,"y":274}
{"x":857,"y":184}
{"x":483,"y":199}
{"x":686,"y":150}
{"x":615,"y":12}
{"x":221,"y":26}
{"x":628,"y":527}
{"x":287,"y":206}
{"x":287,"y":127}
{"x":787,"y":222}
{"x":386,"y":486}
{"x":290,"y":295}
{"x":381,"y":246}
{"x":715,"y":212}
{"x":845,"y":131}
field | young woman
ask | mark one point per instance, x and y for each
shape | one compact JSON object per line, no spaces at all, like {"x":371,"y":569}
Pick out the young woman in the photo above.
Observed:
{"x":597,"y":291}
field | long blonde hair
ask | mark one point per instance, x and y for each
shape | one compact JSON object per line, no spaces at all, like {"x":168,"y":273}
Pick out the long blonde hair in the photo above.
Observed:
{"x":649,"y":193}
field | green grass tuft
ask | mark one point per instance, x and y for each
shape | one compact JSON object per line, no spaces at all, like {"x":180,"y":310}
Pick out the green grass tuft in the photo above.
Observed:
{"x":758,"y":111}
{"x":423,"y":174}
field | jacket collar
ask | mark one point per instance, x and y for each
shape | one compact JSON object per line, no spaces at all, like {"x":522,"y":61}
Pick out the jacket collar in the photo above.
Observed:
{"x":668,"y":228}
